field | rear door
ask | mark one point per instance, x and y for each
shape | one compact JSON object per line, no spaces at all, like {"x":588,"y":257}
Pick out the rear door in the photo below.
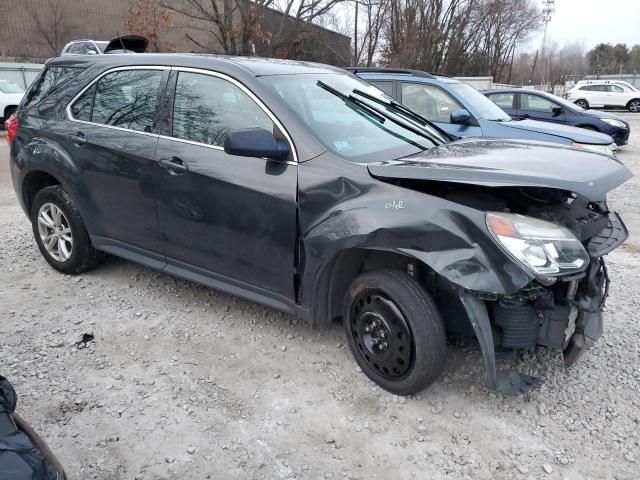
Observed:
{"x":538,"y":107}
{"x":505,"y":100}
{"x":224,"y":217}
{"x":616,"y":96}
{"x":436,"y":105}
{"x":111,"y":135}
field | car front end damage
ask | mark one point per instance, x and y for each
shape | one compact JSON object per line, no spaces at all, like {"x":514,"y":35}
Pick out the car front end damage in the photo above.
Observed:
{"x":526,"y":267}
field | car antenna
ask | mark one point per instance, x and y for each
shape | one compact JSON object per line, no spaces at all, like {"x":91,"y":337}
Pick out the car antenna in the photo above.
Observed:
{"x":121,"y":42}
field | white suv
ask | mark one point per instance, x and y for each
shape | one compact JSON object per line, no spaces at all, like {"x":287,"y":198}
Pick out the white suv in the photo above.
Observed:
{"x":605,"y":93}
{"x":10,"y":97}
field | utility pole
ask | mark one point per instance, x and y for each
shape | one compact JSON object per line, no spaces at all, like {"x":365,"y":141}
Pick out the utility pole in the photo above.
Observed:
{"x":548,"y":9}
{"x":355,"y":38}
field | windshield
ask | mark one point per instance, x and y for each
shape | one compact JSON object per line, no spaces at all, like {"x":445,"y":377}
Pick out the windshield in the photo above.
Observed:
{"x":351,"y":128}
{"x":484,"y":107}
{"x":7,"y":87}
{"x":564,"y":102}
{"x":102,"y":45}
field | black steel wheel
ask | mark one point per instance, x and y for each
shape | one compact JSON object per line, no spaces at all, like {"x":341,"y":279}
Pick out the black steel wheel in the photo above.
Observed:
{"x":395,"y":331}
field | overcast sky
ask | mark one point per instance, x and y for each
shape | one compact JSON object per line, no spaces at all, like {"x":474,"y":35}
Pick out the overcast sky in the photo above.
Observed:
{"x":595,"y":21}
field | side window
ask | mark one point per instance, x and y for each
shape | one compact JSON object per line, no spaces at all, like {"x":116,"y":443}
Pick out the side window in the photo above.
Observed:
{"x":206,"y":108}
{"x":49,"y":81}
{"x":536,"y":103}
{"x":82,"y":107}
{"x":77,"y":48}
{"x":503,"y":100}
{"x":386,"y":87}
{"x":615,"y":89}
{"x":92,"y":49}
{"x":429,"y":101}
{"x":127,"y":99}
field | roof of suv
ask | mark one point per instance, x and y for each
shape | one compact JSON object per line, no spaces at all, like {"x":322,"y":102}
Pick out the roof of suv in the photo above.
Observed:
{"x":256,"y":66}
{"x":401,"y":73}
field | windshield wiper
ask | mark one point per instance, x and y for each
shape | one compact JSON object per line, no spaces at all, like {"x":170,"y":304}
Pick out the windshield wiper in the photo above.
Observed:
{"x":350,"y":98}
{"x":407,"y":111}
{"x":378,"y":113}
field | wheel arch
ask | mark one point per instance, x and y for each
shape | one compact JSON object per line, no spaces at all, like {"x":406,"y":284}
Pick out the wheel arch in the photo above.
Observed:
{"x":33,"y":182}
{"x":635,"y":99}
{"x":336,"y":275}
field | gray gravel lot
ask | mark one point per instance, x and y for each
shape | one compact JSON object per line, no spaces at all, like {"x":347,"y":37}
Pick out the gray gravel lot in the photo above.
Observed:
{"x":185,"y":382}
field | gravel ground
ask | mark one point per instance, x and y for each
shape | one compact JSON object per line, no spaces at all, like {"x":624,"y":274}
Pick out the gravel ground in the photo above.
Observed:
{"x":185,"y":382}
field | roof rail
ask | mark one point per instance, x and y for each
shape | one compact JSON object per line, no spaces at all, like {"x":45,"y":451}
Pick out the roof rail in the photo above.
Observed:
{"x":403,"y":71}
{"x":438,"y":74}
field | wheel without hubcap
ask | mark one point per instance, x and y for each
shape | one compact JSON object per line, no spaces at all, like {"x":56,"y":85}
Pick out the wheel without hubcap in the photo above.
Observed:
{"x":583,"y":104}
{"x":381,"y":334}
{"x":55,"y":232}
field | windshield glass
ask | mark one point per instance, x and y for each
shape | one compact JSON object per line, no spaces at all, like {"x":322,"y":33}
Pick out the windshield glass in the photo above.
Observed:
{"x":343,"y":126}
{"x":102,"y":45}
{"x":564,"y":102}
{"x":484,"y":107}
{"x":7,"y":87}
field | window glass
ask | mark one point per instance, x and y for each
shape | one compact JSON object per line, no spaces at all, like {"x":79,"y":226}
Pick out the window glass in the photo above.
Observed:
{"x":127,"y":99}
{"x":429,"y":101}
{"x":615,"y":89}
{"x":81,"y":108}
{"x":92,"y":49}
{"x":342,"y":125}
{"x":49,"y":81}
{"x":536,"y":103}
{"x":206,"y":108}
{"x":386,"y":87}
{"x":503,"y":100}
{"x":78,"y":48}
{"x":8,"y":87}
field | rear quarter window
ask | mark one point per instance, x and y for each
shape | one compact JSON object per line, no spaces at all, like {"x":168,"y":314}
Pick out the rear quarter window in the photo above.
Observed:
{"x":50,"y":80}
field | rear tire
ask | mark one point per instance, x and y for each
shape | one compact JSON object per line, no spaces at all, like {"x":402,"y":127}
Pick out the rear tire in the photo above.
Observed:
{"x":395,"y":331}
{"x":582,"y":103}
{"x":60,"y":233}
{"x":634,"y":105}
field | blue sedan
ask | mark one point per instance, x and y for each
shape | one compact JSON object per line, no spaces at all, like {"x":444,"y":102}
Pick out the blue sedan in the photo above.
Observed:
{"x":525,"y":104}
{"x":461,"y":110}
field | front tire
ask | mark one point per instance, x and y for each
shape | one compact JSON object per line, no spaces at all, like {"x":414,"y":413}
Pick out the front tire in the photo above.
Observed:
{"x":395,"y":331}
{"x":634,"y":106}
{"x":60,"y":232}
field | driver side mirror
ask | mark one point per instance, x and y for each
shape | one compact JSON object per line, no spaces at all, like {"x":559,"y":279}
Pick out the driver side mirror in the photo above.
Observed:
{"x":557,"y":111}
{"x":460,"y":117}
{"x":255,"y":142}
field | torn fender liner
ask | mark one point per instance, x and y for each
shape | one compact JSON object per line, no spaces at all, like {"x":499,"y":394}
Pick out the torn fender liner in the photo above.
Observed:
{"x":507,"y":383}
{"x":507,"y":163}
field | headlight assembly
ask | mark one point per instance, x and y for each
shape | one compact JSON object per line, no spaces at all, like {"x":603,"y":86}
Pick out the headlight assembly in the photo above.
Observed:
{"x":613,"y":122}
{"x":603,"y":149}
{"x":544,"y":248}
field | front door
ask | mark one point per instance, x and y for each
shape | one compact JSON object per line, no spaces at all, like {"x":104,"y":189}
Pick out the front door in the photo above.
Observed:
{"x":538,"y":107}
{"x":224,"y":217}
{"x":436,"y":105}
{"x":111,"y":136}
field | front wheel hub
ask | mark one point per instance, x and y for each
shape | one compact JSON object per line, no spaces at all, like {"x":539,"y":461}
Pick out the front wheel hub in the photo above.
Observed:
{"x":381,"y":334}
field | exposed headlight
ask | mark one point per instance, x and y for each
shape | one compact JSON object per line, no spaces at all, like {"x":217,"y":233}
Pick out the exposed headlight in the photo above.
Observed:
{"x":603,"y":149}
{"x":544,"y":248}
{"x":614,"y":123}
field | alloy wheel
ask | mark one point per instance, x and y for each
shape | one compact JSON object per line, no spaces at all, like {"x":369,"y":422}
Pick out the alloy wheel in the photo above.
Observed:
{"x":55,"y":232}
{"x":381,"y":334}
{"x":634,"y":106}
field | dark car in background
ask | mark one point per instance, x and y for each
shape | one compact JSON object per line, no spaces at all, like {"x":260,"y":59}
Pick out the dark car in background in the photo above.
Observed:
{"x":23,"y":454}
{"x":306,"y":189}
{"x":533,"y":104}
{"x":461,"y":110}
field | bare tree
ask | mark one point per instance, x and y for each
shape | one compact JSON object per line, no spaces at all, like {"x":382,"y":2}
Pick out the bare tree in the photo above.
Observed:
{"x":240,"y":26}
{"x":53,"y":27}
{"x":149,"y":19}
{"x":375,"y":15}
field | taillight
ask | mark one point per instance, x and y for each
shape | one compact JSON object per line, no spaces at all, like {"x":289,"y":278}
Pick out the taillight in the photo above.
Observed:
{"x":11,"y":126}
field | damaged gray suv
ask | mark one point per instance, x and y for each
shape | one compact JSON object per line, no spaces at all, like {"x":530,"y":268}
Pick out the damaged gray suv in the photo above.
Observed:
{"x":303,"y":188}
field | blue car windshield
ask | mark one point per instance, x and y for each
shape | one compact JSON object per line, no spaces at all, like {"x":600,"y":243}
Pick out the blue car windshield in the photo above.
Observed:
{"x":348,"y":127}
{"x":483,"y":107}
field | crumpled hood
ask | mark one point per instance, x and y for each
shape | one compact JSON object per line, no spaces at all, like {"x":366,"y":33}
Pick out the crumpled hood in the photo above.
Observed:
{"x":508,"y":163}
{"x":579,"y":135}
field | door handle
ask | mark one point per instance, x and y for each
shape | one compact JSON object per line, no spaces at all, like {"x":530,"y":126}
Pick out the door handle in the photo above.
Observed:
{"x":174,"y":166}
{"x":78,"y":139}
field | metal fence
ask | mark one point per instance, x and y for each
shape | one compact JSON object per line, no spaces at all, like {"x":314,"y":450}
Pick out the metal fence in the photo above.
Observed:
{"x":20,"y":73}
